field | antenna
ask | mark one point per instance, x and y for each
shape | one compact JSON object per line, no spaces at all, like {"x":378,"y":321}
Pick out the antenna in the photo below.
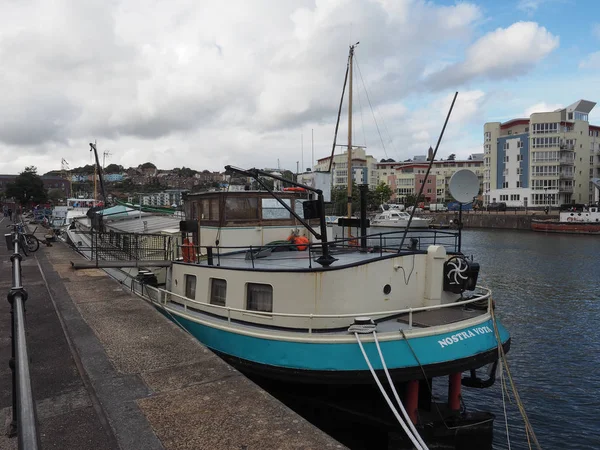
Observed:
{"x":464,"y":186}
{"x":104,"y":155}
{"x":312,"y":146}
{"x":302,"y":150}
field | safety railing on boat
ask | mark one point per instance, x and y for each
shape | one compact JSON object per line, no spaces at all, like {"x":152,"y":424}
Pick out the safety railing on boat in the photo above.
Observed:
{"x":163,"y":297}
{"x":120,"y":246}
{"x":378,"y":244}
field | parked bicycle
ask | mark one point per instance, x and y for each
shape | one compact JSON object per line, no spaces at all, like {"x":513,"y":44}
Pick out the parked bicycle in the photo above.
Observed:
{"x":28,"y":243}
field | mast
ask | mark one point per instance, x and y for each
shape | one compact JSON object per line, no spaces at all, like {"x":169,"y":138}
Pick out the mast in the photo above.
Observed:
{"x":349,"y":168}
{"x":99,"y":168}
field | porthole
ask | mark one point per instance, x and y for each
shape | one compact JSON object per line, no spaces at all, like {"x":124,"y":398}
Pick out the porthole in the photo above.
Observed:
{"x":387,"y":289}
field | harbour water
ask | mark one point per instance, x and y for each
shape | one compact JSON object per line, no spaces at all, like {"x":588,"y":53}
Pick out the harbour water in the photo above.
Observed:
{"x":546,"y":289}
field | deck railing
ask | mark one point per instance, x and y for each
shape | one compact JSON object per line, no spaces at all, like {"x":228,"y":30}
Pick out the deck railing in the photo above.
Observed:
{"x":118,"y":246}
{"x":23,"y":421}
{"x":163,"y":297}
{"x":378,"y":244}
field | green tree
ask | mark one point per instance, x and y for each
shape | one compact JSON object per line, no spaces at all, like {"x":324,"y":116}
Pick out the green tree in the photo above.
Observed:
{"x":55,"y":195}
{"x":28,"y":187}
{"x":114,"y":168}
{"x":383,"y":192}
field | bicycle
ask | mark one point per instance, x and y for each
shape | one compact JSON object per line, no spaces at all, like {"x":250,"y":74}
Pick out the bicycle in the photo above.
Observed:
{"x":27,"y":241}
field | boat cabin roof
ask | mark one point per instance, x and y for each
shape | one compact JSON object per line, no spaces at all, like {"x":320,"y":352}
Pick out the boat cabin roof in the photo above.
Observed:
{"x":245,"y":208}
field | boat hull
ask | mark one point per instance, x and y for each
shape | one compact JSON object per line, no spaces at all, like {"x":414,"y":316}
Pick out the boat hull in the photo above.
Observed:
{"x":326,"y":362}
{"x":565,"y":227}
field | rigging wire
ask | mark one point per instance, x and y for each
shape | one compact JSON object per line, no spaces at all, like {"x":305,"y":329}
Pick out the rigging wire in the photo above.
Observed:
{"x":371,"y":106}
{"x":362,"y":120}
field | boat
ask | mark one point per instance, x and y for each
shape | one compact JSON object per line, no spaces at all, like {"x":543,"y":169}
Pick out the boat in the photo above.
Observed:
{"x":396,"y":218}
{"x":257,"y":279}
{"x":575,"y":219}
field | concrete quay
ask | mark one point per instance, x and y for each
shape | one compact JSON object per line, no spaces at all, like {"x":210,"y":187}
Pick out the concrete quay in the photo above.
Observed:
{"x":510,"y":220}
{"x":111,"y":372}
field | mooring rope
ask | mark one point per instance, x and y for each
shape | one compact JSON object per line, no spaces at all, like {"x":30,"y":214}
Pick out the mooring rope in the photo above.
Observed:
{"x":397,"y":397}
{"x":528,"y":428}
{"x":413,"y":439}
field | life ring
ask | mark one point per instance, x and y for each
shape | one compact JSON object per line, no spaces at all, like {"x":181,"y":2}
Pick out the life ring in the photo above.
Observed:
{"x":187,"y":250}
{"x":570,"y":219}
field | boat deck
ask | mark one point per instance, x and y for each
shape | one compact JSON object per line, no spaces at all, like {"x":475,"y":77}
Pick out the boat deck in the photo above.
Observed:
{"x":265,"y":259}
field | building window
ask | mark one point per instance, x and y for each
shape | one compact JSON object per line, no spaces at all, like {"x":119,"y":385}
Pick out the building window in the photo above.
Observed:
{"x":259,"y":297}
{"x":190,"y":286}
{"x":218,"y":291}
{"x":505,"y":185}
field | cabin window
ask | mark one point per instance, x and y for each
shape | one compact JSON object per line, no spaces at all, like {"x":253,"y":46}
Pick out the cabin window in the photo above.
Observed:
{"x":272,"y":209}
{"x":298,"y":207}
{"x":259,"y":297}
{"x":190,"y":286}
{"x":210,"y":209}
{"x":218,"y":291}
{"x":241,"y":208}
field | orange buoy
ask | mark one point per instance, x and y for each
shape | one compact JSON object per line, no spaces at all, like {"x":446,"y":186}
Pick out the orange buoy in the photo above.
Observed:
{"x":301,"y":243}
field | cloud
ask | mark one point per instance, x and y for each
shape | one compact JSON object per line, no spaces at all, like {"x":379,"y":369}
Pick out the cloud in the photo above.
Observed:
{"x":204,"y":84}
{"x":503,"y":53}
{"x":592,"y":61}
{"x":530,"y":6}
{"x":542,"y":107}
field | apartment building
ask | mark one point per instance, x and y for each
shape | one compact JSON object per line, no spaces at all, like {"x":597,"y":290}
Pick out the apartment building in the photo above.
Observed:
{"x":170,"y":197}
{"x":406,"y":178}
{"x":364,"y":168}
{"x":547,"y":159}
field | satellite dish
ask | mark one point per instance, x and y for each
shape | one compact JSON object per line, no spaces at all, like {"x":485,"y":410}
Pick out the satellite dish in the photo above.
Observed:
{"x":464,"y":186}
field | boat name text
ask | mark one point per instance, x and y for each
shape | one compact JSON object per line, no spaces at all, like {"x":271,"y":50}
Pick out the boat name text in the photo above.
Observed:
{"x":464,"y":335}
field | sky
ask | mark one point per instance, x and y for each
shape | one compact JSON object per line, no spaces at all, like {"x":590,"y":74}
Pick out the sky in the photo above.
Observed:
{"x":258,"y":83}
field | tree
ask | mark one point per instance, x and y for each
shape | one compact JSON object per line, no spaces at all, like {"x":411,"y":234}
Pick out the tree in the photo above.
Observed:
{"x":451,"y":157}
{"x":114,"y":168}
{"x":147,"y":165}
{"x":28,"y":186}
{"x":383,"y":192}
{"x":55,"y":195}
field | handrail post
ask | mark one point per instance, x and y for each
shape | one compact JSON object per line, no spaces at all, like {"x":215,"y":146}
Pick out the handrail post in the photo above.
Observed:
{"x":410,"y":319}
{"x":23,"y":406}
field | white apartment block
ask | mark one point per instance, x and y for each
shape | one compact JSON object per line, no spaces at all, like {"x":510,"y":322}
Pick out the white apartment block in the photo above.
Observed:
{"x":364,"y":168}
{"x":546,"y":159}
{"x":170,"y":198}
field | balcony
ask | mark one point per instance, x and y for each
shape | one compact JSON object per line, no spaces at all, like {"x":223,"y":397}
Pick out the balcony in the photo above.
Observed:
{"x":566,"y":161}
{"x":567,"y":147}
{"x":565,"y":175}
{"x":568,"y":189}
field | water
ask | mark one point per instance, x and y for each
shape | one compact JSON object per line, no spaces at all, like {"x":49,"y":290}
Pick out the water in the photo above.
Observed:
{"x":547,"y":292}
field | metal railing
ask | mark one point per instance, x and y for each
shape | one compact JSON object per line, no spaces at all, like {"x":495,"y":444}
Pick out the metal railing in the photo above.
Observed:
{"x":162,"y":297}
{"x":377,"y":245}
{"x":117,"y":246}
{"x":23,"y":422}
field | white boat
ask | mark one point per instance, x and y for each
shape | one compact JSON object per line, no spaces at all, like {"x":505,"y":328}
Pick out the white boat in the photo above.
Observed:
{"x":398,"y":219}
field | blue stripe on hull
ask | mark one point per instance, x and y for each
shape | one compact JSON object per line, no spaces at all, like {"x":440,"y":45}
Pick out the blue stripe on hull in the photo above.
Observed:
{"x":441,"y":348}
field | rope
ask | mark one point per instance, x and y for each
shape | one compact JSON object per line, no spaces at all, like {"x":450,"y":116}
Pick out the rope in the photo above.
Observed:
{"x":387,"y":398}
{"x":504,"y":404}
{"x":528,"y":428}
{"x":404,"y":413}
